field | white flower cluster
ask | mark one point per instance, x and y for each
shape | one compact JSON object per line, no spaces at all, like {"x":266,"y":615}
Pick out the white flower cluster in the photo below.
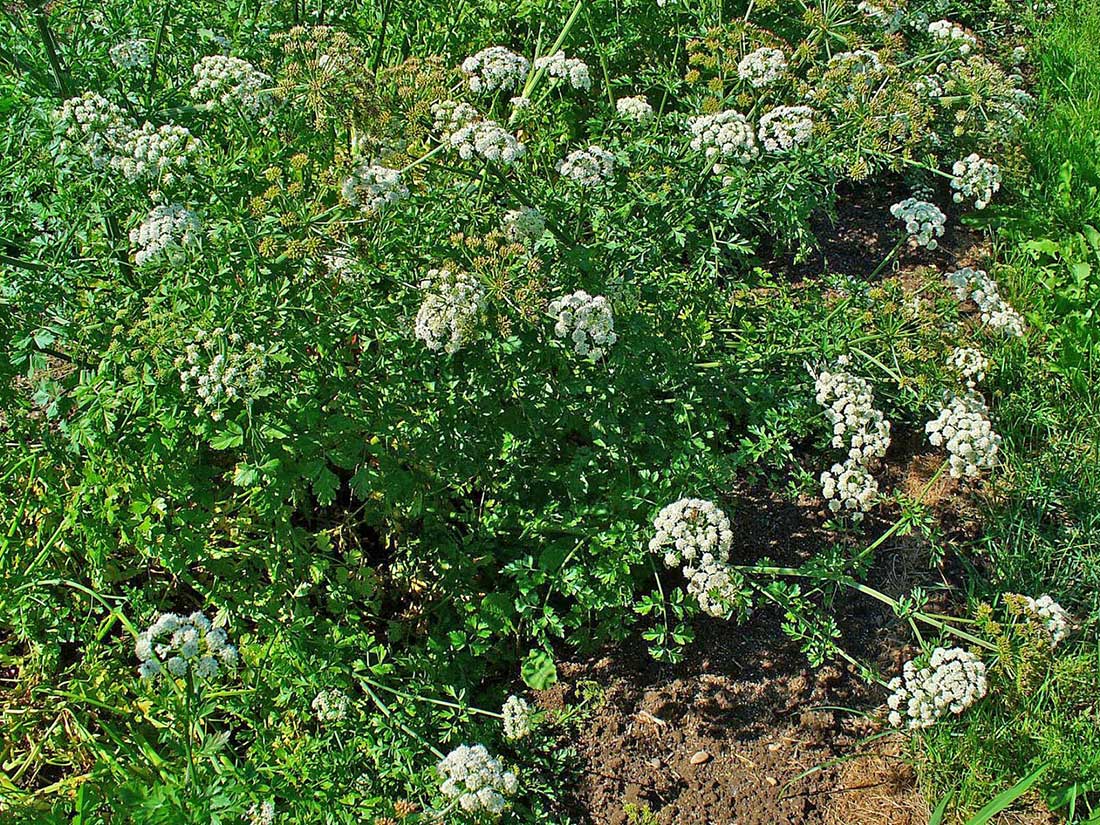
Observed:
{"x":330,"y":706}
{"x":96,"y":124}
{"x":723,"y":136}
{"x":495,"y":68}
{"x":589,"y":167}
{"x":586,"y":320}
{"x":969,"y":363}
{"x":1052,"y":616}
{"x":165,"y":231}
{"x":181,"y":643}
{"x":849,"y":407}
{"x":689,"y":529}
{"x":262,"y":814}
{"x":964,"y":430}
{"x":569,"y":69}
{"x":162,"y":153}
{"x":524,"y":225}
{"x":848,"y":402}
{"x":476,"y":780}
{"x":371,"y":187}
{"x":953,"y":681}
{"x":453,"y":303}
{"x":217,"y":371}
{"x":977,"y":178}
{"x":762,"y":67}
{"x":786,"y":127}
{"x":923,"y":221}
{"x":952,"y":33}
{"x":222,"y":81}
{"x":131,"y":54}
{"x":489,"y":140}
{"x":635,"y":108}
{"x":110,"y":140}
{"x":713,"y":584}
{"x":517,"y":717}
{"x":849,"y":487}
{"x":696,"y":534}
{"x":451,"y":115}
{"x":976,"y":285}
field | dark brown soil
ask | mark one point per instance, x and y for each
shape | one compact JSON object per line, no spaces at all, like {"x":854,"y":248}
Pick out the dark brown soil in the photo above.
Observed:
{"x":727,"y":735}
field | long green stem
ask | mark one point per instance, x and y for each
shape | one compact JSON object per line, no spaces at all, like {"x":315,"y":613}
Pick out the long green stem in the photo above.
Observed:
{"x":61,"y":77}
{"x":442,"y":702}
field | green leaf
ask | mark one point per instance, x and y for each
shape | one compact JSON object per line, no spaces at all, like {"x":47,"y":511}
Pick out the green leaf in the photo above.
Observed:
{"x":538,"y":670}
{"x":1004,"y":799}
{"x":230,"y":437}
{"x":941,"y":809}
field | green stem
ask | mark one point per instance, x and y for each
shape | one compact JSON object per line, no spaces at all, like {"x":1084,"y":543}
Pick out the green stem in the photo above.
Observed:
{"x":889,"y":256}
{"x":442,"y":702}
{"x":61,"y":77}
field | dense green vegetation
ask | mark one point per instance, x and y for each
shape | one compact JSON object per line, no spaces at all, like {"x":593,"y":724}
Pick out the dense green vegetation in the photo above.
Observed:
{"x":352,"y":374}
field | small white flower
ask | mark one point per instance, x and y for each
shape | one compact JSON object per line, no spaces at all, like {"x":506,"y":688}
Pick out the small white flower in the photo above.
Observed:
{"x":964,"y":430}
{"x":634,"y":108}
{"x":924,"y":222}
{"x":476,"y":780}
{"x":953,"y":681}
{"x":165,"y":232}
{"x":593,"y":166}
{"x":372,"y":187}
{"x":131,"y":54}
{"x":849,"y":489}
{"x":723,"y":137}
{"x":976,"y":285}
{"x":714,"y":584}
{"x":849,"y":408}
{"x":586,"y":320}
{"x":453,"y":303}
{"x":762,"y":67}
{"x":969,"y":363}
{"x":489,"y":140}
{"x":262,"y":814}
{"x":525,"y":225}
{"x":517,"y":718}
{"x":689,"y":529}
{"x":977,"y":178}
{"x":330,"y":706}
{"x":172,"y":642}
{"x":225,"y":82}
{"x":953,"y":34}
{"x":1051,"y":615}
{"x":786,"y":127}
{"x":495,"y":68}
{"x":568,"y":69}
{"x":449,"y":116}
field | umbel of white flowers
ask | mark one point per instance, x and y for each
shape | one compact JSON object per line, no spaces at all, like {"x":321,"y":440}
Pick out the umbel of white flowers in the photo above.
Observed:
{"x":586,"y":321}
{"x":453,"y":302}
{"x":964,"y":430}
{"x":976,"y":285}
{"x":476,"y":781}
{"x":494,"y":68}
{"x":953,"y":681}
{"x":180,"y":644}
{"x":517,"y":718}
{"x":977,"y":178}
{"x":924,"y":222}
{"x":696,"y":534}
{"x":1051,"y":615}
